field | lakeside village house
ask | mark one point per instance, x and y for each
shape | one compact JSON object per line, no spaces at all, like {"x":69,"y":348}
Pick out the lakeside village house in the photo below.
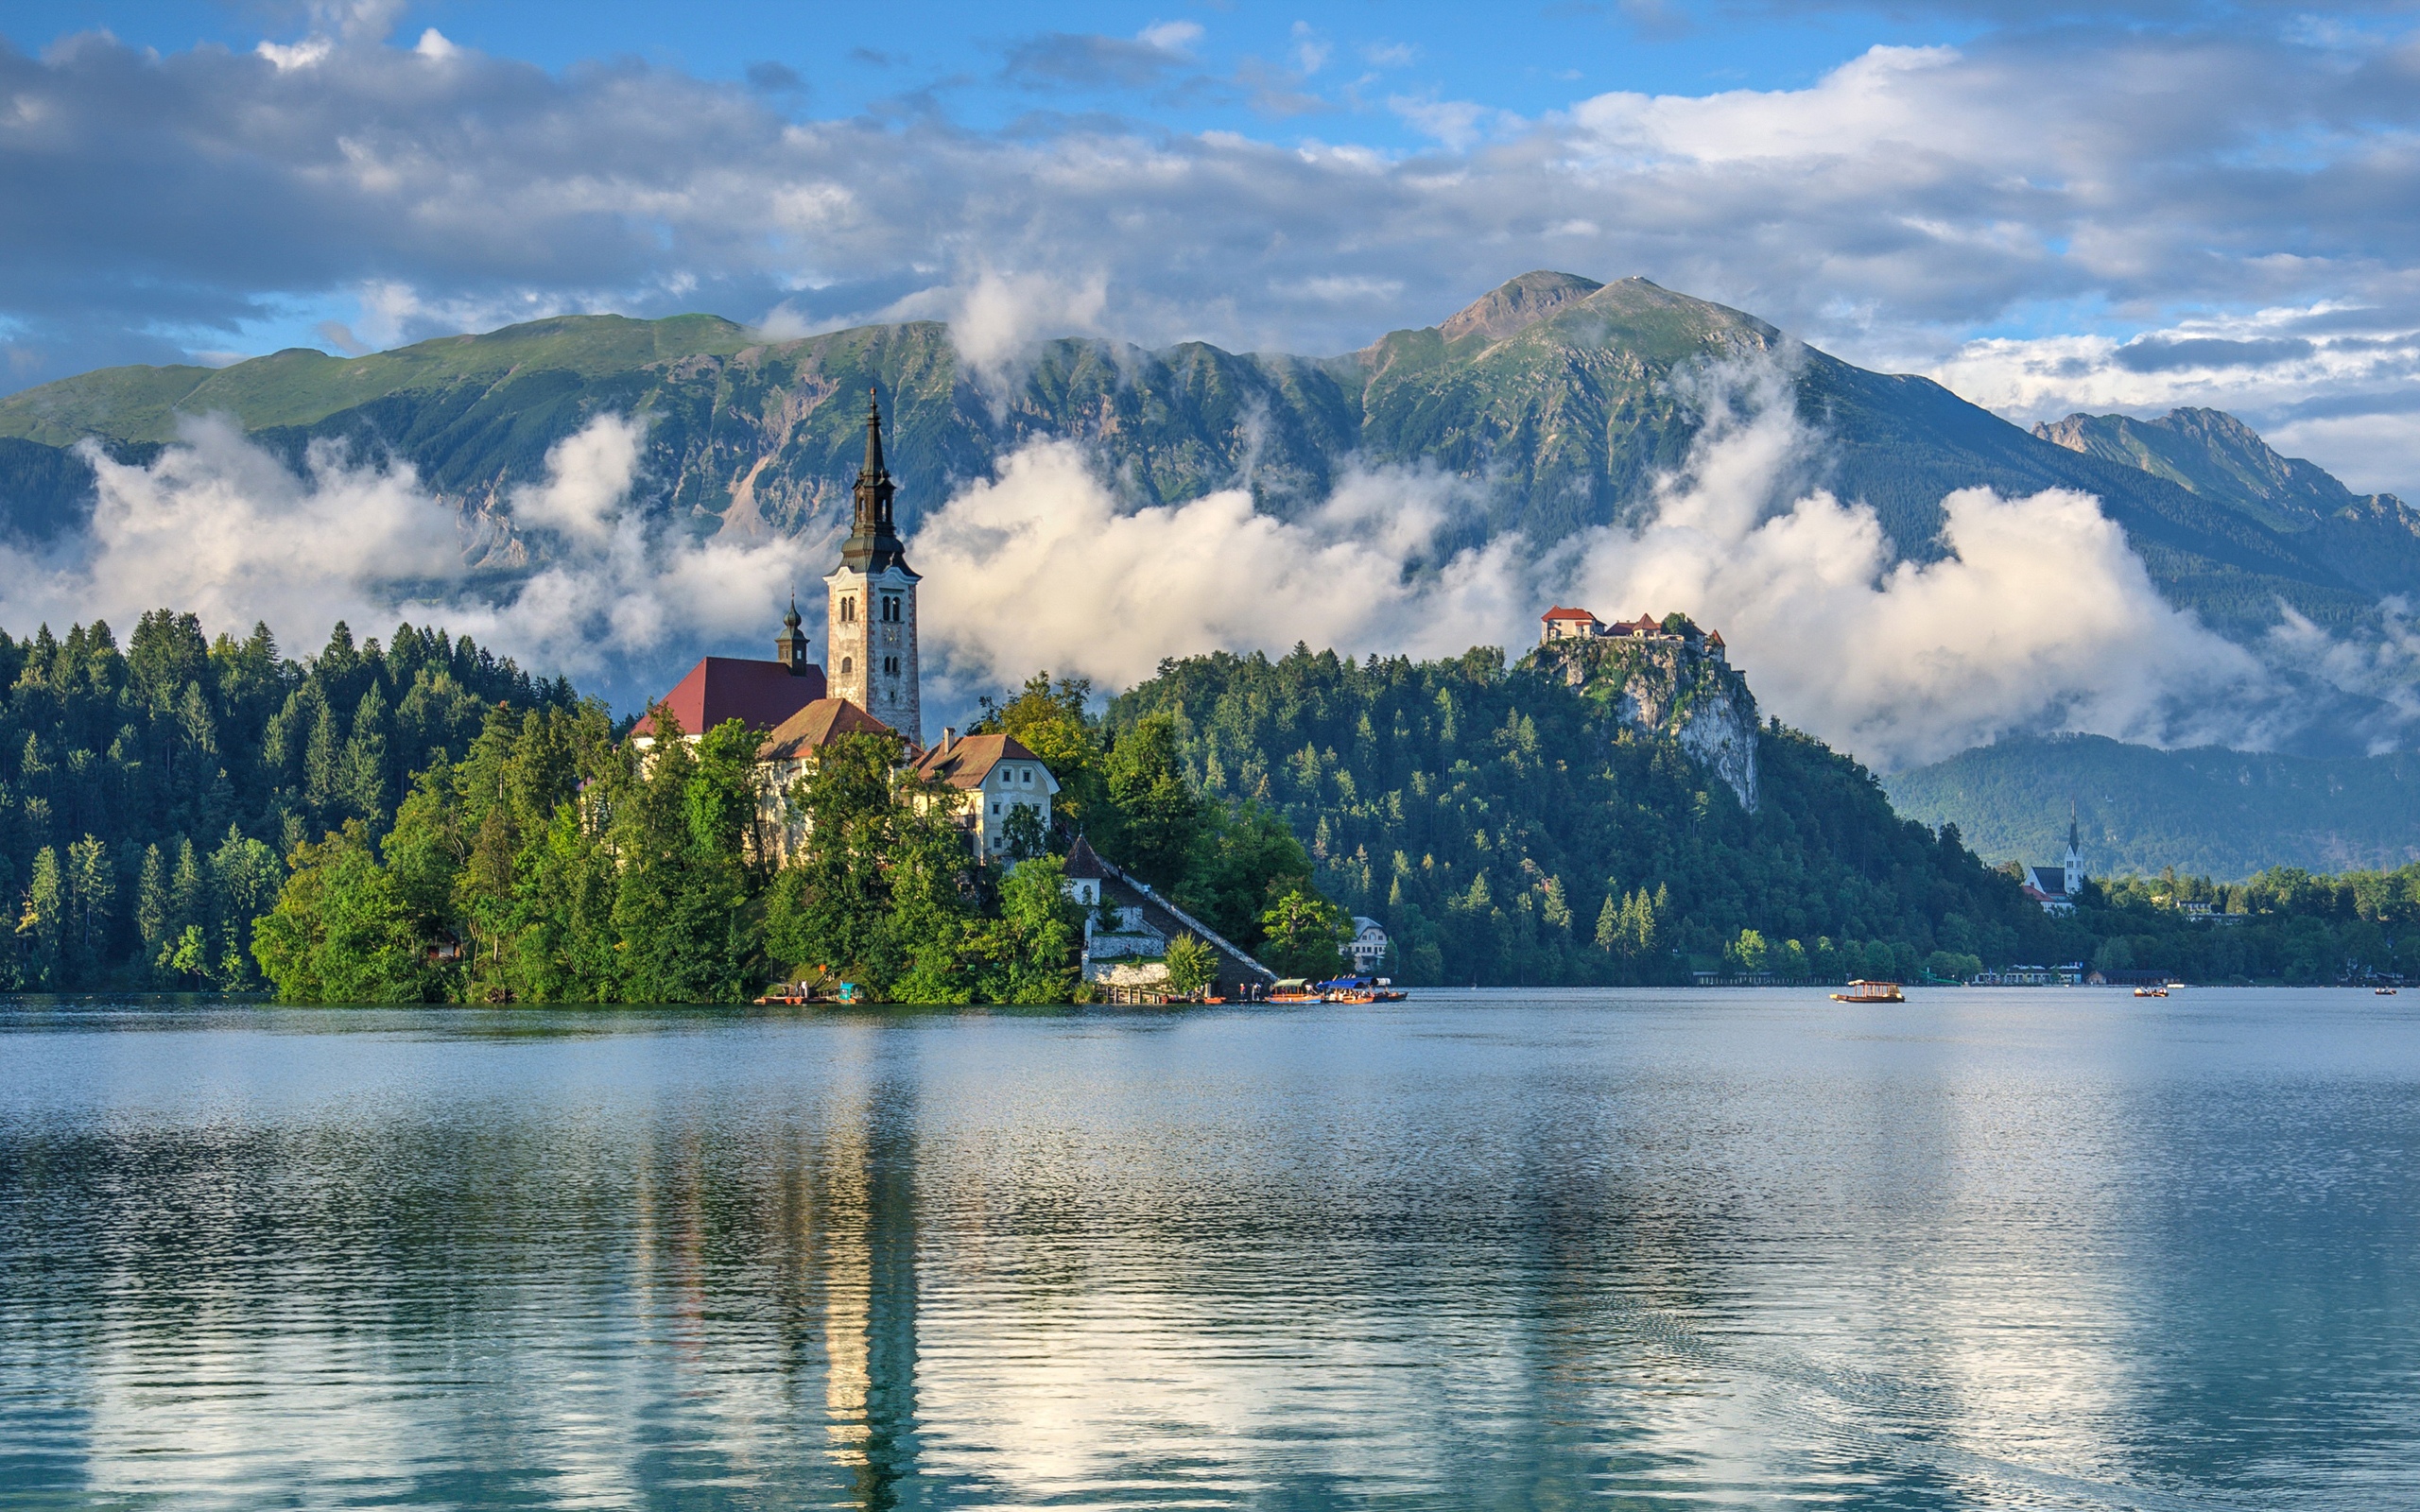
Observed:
{"x":872,"y":686}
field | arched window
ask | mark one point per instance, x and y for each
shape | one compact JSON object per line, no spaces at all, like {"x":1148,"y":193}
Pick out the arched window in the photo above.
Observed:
{"x":846,"y":663}
{"x":848,"y":611}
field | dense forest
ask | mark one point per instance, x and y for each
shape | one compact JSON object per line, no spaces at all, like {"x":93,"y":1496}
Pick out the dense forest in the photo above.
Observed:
{"x":149,"y":796}
{"x":1505,"y":828}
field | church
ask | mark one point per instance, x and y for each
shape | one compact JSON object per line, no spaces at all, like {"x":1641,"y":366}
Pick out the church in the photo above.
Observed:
{"x":868,"y":685}
{"x":2056,"y":888}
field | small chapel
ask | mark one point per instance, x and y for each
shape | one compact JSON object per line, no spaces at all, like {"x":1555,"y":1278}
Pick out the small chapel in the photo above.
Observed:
{"x":868,"y":686}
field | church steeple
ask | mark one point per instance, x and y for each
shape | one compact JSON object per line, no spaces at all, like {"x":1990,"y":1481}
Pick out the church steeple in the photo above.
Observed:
{"x":790,"y":647}
{"x":873,"y":541}
{"x":871,"y":603}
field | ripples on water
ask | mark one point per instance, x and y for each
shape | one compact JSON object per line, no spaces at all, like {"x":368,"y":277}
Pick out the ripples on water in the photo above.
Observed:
{"x":2012,"y":1249}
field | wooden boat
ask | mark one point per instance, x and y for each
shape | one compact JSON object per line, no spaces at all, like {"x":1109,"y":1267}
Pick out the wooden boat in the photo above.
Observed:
{"x":1863,"y":991}
{"x":2151,"y":991}
{"x":2383,"y":992}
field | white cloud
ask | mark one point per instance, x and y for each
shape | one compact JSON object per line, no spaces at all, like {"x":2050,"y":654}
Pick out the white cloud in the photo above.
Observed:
{"x":1170,"y":36}
{"x":2038,"y":615}
{"x":994,"y":318}
{"x":286,"y":56}
{"x":1039,"y":567}
{"x":219,"y":526}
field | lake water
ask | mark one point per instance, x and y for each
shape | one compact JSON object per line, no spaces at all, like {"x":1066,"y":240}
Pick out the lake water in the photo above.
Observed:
{"x":1751,"y":1249}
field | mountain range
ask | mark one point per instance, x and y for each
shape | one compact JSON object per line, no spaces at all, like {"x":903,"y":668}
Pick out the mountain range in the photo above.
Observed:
{"x":1560,"y":396}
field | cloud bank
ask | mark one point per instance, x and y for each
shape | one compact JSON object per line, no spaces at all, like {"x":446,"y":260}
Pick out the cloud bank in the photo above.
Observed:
{"x":220,"y":527}
{"x":2038,"y":616}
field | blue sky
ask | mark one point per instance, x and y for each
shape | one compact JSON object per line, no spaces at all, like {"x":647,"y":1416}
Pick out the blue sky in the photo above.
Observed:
{"x":2114,"y":208}
{"x":1317,"y":70}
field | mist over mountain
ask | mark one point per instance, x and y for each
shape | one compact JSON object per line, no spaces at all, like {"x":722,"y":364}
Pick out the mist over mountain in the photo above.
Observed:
{"x":1550,"y":412}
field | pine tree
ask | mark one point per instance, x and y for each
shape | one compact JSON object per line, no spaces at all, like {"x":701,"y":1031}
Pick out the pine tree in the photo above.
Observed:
{"x":188,"y":896}
{"x":322,"y":756}
{"x":44,"y":920}
{"x":361,"y":780}
{"x":151,"y":909}
{"x":1612,"y":922}
{"x":91,"y":902}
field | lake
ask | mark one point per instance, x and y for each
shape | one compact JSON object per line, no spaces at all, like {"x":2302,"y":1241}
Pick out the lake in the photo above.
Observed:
{"x":2015,"y":1249}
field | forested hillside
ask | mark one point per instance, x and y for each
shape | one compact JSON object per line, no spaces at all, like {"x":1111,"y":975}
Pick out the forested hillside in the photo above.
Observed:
{"x":1559,"y":397}
{"x":2226,"y":813}
{"x":149,"y":795}
{"x":1506,"y":829}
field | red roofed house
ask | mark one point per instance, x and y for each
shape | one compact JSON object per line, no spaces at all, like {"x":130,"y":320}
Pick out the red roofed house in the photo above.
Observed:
{"x":760,"y":694}
{"x":1568,"y":624}
{"x":995,"y":776}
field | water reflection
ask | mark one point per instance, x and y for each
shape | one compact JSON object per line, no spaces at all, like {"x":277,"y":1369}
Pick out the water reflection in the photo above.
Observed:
{"x":1728,"y":1250}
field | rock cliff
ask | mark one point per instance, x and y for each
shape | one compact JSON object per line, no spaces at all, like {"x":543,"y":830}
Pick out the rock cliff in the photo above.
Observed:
{"x":1673,"y":684}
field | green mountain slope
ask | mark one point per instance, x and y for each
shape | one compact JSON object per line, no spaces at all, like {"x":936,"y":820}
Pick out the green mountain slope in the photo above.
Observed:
{"x":1563,"y":396}
{"x":2208,"y":812}
{"x":2371,"y":539}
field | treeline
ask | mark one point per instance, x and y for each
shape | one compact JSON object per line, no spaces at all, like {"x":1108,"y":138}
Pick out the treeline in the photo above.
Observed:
{"x":1506,"y":831}
{"x":2285,"y":924}
{"x":148,"y":795}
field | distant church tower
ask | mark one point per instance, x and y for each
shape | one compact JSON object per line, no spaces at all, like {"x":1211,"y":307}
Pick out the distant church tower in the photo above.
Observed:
{"x":790,"y":647}
{"x":873,"y":603}
{"x":2075,"y":854}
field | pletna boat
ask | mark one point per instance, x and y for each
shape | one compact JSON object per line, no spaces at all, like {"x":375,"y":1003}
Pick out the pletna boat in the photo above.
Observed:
{"x":2159,"y":991}
{"x":1864,"y":992}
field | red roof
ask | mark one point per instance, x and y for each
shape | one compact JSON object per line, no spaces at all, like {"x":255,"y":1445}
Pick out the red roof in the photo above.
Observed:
{"x":1559,"y":612}
{"x":967,"y":761}
{"x":1714,"y":638}
{"x":761,"y":694}
{"x":816,"y":725}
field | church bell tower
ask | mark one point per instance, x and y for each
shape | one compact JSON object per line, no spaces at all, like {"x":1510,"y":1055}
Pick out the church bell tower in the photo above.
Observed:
{"x":872,"y":599}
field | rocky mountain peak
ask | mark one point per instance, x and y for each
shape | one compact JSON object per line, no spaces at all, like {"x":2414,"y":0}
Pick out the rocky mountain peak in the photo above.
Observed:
{"x":2210,"y":453}
{"x":1513,"y":308}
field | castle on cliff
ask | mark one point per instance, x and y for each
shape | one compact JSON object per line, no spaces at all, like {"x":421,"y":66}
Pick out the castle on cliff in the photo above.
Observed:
{"x":1666,"y":679}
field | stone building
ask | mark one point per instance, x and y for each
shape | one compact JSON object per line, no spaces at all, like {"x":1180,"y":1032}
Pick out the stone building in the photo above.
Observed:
{"x":871,"y":614}
{"x":789,"y":753}
{"x":993,"y":776}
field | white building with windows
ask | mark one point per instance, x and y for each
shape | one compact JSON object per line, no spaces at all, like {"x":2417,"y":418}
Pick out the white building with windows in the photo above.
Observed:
{"x":995,"y":776}
{"x":1368,"y":947}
